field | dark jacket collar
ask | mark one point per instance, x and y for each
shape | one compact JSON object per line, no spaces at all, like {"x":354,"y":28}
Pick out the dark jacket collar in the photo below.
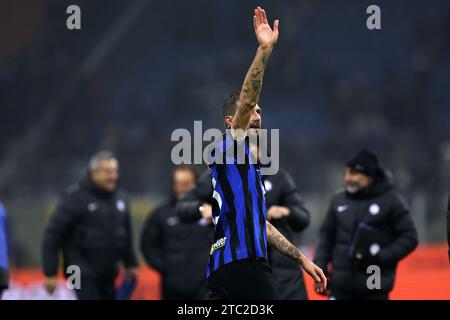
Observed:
{"x":172,"y":199}
{"x":89,"y":185}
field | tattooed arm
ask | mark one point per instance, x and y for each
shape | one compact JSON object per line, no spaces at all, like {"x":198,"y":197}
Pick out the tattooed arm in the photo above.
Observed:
{"x":251,"y":88}
{"x":280,"y":243}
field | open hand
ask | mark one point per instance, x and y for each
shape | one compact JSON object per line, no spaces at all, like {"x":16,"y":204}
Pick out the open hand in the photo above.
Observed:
{"x":316,"y":273}
{"x":265,"y":35}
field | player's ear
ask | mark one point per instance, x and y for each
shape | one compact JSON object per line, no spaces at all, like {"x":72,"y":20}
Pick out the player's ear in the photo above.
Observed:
{"x":228,"y":121}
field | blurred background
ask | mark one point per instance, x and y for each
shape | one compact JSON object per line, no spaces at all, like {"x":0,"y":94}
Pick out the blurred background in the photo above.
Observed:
{"x":137,"y":70}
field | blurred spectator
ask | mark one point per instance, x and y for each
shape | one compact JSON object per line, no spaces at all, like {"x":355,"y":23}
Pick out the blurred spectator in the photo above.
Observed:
{"x":92,"y":227}
{"x":4,"y":266}
{"x":367,"y":224}
{"x":448,"y":227}
{"x":179,"y":251}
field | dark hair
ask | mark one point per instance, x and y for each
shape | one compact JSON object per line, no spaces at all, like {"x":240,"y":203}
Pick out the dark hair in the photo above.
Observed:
{"x":186,"y":167}
{"x":230,"y":104}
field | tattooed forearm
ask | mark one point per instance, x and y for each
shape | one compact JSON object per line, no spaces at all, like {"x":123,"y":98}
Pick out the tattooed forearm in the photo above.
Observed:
{"x":253,"y":80}
{"x":256,"y":80}
{"x":256,"y":86}
{"x":251,"y":89}
{"x":255,"y":72}
{"x":280,"y":243}
{"x":264,"y":59}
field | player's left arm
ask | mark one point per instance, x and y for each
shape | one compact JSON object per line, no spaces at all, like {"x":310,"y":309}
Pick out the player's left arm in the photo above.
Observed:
{"x":280,"y":243}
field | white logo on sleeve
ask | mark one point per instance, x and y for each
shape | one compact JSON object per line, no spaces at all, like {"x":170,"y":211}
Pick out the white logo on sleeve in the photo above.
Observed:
{"x":120,"y":205}
{"x":268,"y":185}
{"x":374,"y":209}
{"x":374,"y":249}
{"x":342,"y":208}
{"x":92,"y":206}
{"x":172,"y":221}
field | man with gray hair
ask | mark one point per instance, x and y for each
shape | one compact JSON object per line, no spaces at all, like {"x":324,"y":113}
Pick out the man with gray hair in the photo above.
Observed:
{"x":92,"y":228}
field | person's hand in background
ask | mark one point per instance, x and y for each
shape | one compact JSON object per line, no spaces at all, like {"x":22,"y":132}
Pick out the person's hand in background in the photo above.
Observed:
{"x":50,"y":284}
{"x":206,"y":212}
{"x":277,"y":212}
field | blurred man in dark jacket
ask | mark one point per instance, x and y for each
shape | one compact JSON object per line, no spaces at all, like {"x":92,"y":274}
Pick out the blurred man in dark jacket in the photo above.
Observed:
{"x":369,"y":206}
{"x":4,"y":265}
{"x":448,"y":227}
{"x":286,"y":212}
{"x":179,"y":251}
{"x":92,"y":227}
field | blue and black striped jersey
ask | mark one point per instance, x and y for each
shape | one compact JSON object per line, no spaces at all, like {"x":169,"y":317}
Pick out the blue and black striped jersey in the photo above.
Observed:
{"x":238,"y":209}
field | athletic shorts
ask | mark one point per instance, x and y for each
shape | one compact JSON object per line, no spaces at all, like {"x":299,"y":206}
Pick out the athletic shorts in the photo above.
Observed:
{"x":243,"y":279}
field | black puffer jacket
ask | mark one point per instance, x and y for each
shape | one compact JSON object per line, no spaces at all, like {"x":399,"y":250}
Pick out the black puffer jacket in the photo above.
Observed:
{"x":92,"y":228}
{"x":378,"y":206}
{"x":179,"y":251}
{"x":448,"y":227}
{"x":281,"y":191}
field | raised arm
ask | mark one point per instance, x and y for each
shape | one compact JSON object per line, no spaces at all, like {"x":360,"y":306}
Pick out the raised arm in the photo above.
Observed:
{"x":280,"y":243}
{"x":251,"y":88}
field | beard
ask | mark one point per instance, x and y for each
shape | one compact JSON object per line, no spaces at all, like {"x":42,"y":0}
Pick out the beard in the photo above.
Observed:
{"x":254,"y":127}
{"x":352,"y":188}
{"x":253,"y":131}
